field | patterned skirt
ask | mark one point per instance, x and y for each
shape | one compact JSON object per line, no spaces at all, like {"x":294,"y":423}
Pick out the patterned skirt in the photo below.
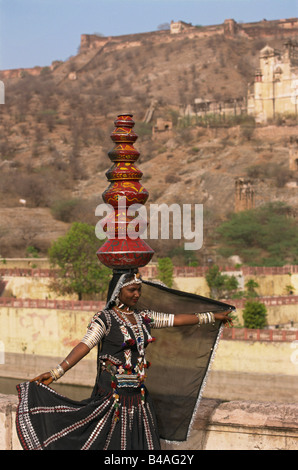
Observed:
{"x":47,"y":420}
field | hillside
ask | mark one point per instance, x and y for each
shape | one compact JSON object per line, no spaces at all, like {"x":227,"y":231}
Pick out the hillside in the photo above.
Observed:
{"x":55,"y":126}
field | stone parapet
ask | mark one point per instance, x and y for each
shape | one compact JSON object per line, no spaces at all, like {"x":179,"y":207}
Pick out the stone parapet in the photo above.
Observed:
{"x":234,"y":425}
{"x":8,"y":436}
{"x":243,"y":425}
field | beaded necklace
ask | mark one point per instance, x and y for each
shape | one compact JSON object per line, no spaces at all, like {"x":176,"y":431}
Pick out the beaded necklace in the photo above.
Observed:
{"x":137,"y":331}
{"x":123,"y":312}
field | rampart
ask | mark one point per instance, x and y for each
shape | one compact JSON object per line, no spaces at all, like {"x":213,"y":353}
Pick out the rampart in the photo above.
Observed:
{"x":230,"y":28}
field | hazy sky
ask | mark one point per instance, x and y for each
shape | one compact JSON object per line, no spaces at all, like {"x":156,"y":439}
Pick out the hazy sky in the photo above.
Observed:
{"x":36,"y":32}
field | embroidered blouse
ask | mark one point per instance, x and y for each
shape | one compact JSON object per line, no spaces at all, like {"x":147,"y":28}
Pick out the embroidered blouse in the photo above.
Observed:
{"x":122,"y":341}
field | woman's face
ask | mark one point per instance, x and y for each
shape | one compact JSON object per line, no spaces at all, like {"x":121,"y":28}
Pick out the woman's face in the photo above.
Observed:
{"x":129,"y":295}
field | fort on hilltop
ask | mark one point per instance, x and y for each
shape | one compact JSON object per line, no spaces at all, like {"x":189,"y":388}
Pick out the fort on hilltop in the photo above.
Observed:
{"x":275,"y":88}
{"x":273,"y":92}
{"x":230,"y":28}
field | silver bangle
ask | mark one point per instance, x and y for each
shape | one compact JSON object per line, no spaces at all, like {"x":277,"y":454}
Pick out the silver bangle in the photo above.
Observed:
{"x":205,"y":318}
{"x":57,"y":372}
{"x":162,"y":320}
{"x":95,"y":333}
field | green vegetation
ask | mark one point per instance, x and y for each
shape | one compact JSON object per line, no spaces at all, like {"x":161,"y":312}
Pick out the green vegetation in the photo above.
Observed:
{"x":251,"y":286}
{"x":225,"y":286}
{"x":79,"y":269}
{"x":254,"y":314}
{"x":266,"y":236}
{"x":32,"y":252}
{"x":246,"y":122}
{"x":221,"y":285}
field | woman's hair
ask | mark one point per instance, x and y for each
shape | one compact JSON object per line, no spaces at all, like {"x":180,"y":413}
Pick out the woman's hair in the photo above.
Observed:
{"x":129,"y":276}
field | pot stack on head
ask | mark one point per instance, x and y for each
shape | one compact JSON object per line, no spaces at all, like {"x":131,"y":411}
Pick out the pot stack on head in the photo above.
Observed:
{"x":123,"y":249}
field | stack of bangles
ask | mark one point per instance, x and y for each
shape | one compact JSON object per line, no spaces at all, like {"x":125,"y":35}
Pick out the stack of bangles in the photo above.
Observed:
{"x":58,"y":371}
{"x":205,"y":318}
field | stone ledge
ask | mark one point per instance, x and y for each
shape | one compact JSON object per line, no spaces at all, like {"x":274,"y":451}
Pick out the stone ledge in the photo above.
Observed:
{"x":257,"y":415}
{"x":242,"y":425}
{"x":234,"y":425}
{"x":8,"y":435}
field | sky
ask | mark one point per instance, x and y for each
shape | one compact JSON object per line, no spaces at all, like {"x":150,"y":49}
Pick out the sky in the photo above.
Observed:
{"x":37,"y":32}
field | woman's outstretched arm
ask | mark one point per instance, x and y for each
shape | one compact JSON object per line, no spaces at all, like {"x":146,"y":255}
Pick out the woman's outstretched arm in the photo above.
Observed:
{"x":188,"y":319}
{"x":77,"y":353}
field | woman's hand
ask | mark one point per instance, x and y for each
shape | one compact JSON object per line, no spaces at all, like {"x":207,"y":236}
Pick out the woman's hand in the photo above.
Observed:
{"x":224,"y":317}
{"x":78,"y":352}
{"x":45,"y":379}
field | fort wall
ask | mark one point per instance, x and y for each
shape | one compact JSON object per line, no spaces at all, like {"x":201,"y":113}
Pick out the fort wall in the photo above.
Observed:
{"x":179,"y":29}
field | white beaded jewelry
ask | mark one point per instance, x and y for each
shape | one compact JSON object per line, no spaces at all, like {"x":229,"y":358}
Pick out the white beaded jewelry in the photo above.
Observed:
{"x":205,"y":318}
{"x":135,"y":280}
{"x":95,"y":333}
{"x":162,"y":320}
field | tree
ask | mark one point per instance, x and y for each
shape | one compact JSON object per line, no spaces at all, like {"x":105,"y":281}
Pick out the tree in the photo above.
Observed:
{"x":265,"y":236}
{"x":165,"y":271}
{"x":163,"y":26}
{"x":220,"y":285}
{"x":79,"y":269}
{"x":254,"y":314}
{"x":251,"y":285}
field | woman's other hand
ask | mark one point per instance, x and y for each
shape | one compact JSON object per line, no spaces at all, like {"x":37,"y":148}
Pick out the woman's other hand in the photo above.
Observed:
{"x":45,"y":379}
{"x":225,"y":318}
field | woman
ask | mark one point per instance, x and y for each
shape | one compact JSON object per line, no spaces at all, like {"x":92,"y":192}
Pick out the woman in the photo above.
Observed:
{"x":120,"y":414}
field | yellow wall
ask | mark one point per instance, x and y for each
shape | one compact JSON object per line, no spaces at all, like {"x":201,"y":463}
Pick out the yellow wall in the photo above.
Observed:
{"x":25,"y":263}
{"x":37,"y":288}
{"x":275,"y":284}
{"x":255,"y":356}
{"x":53,"y":333}
{"x":31,"y":288}
{"x":271,"y":285}
{"x":40,"y":331}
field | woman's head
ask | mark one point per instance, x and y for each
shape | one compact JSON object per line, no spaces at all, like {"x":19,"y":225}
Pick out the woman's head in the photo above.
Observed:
{"x":129,"y":295}
{"x":125,"y":289}
{"x":131,"y":290}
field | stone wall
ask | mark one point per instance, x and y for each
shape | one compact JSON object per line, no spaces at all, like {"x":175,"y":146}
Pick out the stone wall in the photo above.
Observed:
{"x":35,"y":339}
{"x":8,"y":436}
{"x":238,"y":425}
{"x":230,"y":28}
{"x":28,"y":327}
{"x":24,"y":281}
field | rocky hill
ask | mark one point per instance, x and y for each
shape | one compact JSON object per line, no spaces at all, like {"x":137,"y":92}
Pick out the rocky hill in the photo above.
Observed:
{"x":56,"y":121}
